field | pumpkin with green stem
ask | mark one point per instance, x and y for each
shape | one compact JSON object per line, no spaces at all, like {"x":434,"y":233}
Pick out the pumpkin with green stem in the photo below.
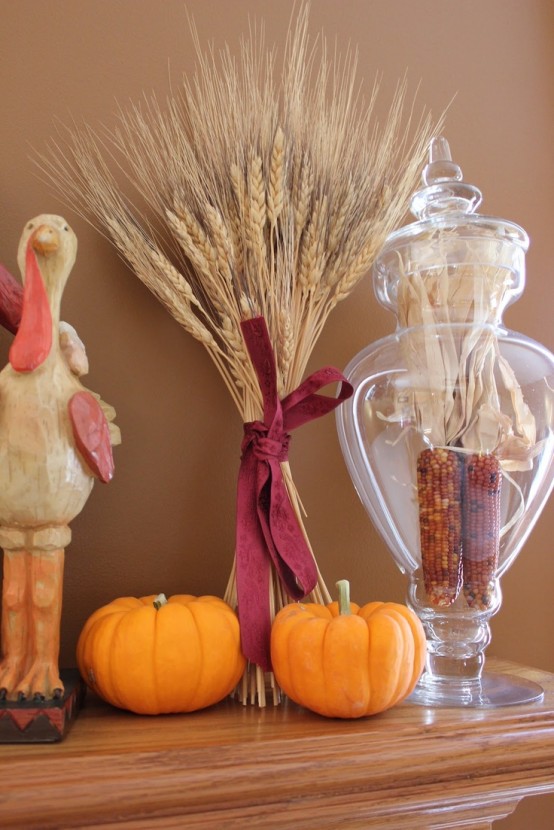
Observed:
{"x":346,"y":661}
{"x":155,"y":655}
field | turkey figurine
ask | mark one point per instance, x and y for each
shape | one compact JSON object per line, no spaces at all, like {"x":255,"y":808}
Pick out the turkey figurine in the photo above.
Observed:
{"x":56,"y":438}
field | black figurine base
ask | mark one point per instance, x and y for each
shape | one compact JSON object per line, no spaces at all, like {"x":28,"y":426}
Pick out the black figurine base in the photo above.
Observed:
{"x":46,"y":721}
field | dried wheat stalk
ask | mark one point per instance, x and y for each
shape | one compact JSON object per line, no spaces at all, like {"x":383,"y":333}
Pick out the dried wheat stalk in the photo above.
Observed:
{"x":263,"y":196}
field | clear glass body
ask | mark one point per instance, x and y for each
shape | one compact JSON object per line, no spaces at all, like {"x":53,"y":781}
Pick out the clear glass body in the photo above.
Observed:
{"x":449,"y":434}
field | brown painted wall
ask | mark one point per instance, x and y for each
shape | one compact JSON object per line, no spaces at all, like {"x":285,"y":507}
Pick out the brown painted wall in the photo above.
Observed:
{"x":166,"y":522}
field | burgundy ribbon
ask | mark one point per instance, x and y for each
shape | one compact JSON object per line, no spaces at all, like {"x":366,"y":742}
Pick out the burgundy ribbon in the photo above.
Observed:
{"x":267,"y":528}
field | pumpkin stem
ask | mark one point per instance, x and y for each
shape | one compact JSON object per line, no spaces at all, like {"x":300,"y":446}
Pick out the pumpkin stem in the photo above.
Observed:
{"x":343,"y":586}
{"x":160,"y":600}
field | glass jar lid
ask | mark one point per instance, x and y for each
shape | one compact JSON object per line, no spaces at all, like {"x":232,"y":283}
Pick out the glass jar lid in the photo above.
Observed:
{"x":452,"y":242}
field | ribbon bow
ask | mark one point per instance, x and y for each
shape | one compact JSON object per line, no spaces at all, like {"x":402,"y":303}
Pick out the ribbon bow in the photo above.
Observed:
{"x":267,"y":527}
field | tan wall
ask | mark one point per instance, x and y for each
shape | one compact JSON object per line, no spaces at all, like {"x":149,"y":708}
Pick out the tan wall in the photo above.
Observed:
{"x":166,"y":522}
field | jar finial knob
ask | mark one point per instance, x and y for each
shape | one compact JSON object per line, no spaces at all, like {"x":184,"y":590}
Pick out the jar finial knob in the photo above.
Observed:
{"x":444,"y":190}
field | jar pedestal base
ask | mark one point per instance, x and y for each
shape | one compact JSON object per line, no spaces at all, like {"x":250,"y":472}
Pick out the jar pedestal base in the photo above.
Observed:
{"x":488,"y":691}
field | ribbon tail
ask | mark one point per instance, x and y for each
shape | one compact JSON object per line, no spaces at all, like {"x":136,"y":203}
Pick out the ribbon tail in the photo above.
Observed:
{"x":289,"y":550}
{"x":253,"y":569}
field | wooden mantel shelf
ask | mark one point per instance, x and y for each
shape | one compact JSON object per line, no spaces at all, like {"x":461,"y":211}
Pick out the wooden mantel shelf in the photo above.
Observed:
{"x":232,"y":767}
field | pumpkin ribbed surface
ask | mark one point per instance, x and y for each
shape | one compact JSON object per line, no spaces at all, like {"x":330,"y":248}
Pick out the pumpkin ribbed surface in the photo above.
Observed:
{"x":181,"y":656}
{"x":347,"y":665}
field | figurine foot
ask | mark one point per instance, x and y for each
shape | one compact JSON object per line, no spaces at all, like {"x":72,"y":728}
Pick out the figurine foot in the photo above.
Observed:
{"x":42,"y":682}
{"x":11,"y":672}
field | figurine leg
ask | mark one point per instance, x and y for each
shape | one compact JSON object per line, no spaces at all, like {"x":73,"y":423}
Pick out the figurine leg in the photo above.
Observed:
{"x":15,"y":629}
{"x":42,"y":679}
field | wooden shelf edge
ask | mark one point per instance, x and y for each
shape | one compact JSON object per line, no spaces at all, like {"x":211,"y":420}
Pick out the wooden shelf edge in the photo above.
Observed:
{"x":229,"y":763}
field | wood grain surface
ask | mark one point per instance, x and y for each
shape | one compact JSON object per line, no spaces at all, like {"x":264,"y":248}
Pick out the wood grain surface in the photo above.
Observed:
{"x":231,"y":767}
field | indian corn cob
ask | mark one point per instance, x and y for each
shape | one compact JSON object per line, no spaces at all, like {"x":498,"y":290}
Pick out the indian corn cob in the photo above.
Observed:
{"x":439,"y":487}
{"x":481,"y":528}
{"x":459,"y":520}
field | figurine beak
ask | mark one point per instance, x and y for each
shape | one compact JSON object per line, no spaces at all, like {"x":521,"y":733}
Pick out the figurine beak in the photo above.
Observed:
{"x":45,"y":240}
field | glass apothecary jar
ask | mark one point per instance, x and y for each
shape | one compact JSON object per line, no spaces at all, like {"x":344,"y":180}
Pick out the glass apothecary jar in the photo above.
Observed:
{"x":448,"y":437}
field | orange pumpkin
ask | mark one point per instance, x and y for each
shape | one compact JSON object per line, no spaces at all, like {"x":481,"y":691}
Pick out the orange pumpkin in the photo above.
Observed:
{"x":153,"y":656}
{"x":343,"y":661}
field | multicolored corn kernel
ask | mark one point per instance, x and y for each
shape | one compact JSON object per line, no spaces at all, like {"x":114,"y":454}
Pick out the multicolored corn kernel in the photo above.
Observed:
{"x":481,"y":528}
{"x":439,"y":492}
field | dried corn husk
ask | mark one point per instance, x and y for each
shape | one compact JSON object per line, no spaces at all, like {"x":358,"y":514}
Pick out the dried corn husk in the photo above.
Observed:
{"x":464,"y":392}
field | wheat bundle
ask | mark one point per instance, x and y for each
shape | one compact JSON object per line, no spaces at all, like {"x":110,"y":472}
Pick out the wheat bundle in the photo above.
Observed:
{"x":261,"y":195}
